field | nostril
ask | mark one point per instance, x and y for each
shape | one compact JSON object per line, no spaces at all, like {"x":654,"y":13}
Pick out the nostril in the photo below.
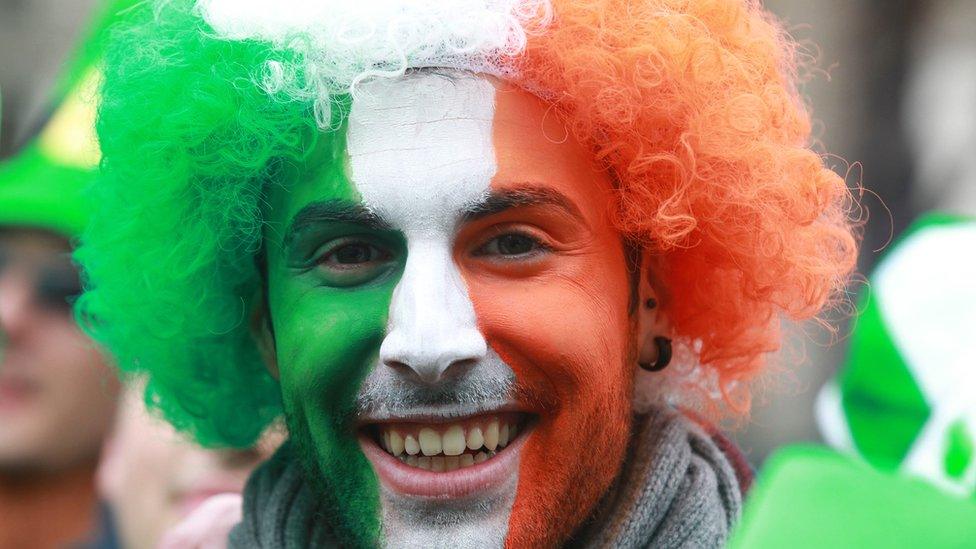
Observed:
{"x":399,"y":367}
{"x":459,"y":368}
{"x":428,"y":357}
{"x":433,"y":371}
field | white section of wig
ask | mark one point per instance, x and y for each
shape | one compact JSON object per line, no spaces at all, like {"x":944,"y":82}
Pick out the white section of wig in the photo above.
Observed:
{"x":343,"y":42}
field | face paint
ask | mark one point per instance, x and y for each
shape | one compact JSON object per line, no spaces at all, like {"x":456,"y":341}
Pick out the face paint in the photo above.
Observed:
{"x":486,"y":310}
{"x":558,"y":315}
{"x":421,"y":152}
{"x":331,"y":271}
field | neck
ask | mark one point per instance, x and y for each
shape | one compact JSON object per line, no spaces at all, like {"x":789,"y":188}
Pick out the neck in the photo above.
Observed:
{"x":47,"y":509}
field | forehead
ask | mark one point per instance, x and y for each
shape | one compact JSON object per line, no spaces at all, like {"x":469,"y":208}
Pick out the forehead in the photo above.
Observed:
{"x":421,"y":149}
{"x":422,"y":144}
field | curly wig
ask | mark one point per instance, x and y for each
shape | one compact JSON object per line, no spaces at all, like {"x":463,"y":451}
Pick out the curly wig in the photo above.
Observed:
{"x":690,"y":104}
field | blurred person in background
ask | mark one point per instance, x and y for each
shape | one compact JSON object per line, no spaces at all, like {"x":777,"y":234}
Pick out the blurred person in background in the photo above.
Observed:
{"x":151,"y":476}
{"x":57,"y":392}
{"x":58,"y":396}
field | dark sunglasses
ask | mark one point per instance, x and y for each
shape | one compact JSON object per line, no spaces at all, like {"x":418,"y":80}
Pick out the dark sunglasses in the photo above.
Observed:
{"x":56,"y":283}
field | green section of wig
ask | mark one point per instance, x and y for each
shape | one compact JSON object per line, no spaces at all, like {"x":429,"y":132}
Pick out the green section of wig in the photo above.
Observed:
{"x":188,"y":143}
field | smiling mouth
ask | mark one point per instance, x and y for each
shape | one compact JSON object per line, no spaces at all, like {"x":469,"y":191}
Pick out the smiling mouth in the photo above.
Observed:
{"x":447,"y":457}
{"x":445,"y":447}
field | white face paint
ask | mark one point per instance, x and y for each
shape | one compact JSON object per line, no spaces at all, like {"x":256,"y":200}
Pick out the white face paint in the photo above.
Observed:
{"x":420,"y":151}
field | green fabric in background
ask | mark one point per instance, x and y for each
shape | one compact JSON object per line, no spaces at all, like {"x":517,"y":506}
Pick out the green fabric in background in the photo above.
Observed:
{"x":813,"y":497}
{"x":884,"y":407}
{"x":42,"y":185}
{"x":38,"y":192}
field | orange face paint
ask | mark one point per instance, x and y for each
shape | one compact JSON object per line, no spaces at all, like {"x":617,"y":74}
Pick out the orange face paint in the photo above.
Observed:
{"x":559,"y":320}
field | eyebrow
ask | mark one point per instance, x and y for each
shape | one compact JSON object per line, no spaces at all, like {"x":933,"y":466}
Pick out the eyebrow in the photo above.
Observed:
{"x":333,"y":211}
{"x":520,"y":197}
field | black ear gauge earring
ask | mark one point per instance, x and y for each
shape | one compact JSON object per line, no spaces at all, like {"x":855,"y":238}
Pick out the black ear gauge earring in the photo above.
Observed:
{"x":650,"y":303}
{"x":663,"y":355}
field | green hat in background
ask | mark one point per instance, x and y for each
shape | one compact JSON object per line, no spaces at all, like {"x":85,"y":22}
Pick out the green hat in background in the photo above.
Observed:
{"x":905,"y":399}
{"x":42,"y":186}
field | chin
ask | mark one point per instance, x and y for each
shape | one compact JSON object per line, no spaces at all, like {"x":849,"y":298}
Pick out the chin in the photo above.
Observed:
{"x":450,"y":478}
{"x":568,"y":465}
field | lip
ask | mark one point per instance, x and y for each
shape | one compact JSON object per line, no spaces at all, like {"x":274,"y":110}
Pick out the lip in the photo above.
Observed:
{"x":441,"y":414}
{"x":413,"y":481}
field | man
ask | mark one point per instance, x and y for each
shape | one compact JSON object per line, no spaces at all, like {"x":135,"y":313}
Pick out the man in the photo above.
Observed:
{"x":453,"y":243}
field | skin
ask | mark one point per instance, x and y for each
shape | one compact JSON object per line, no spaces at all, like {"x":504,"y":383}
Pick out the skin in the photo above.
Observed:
{"x":486,"y":271}
{"x":580,"y":295}
{"x":57,"y":398}
{"x":57,"y":393}
{"x":173,"y":474}
{"x":327,"y":329}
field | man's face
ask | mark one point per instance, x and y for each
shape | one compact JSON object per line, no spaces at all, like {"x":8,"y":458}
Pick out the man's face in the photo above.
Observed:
{"x":449,"y":305}
{"x":57,"y":395}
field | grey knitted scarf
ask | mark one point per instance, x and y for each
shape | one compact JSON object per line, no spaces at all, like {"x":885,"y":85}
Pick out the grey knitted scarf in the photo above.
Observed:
{"x":678,"y":489}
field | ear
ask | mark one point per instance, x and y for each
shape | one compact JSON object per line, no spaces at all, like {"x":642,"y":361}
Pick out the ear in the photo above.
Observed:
{"x":263,"y":334}
{"x":652,"y":317}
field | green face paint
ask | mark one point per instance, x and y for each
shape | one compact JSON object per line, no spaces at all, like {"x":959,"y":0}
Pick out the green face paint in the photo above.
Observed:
{"x":331,"y":272}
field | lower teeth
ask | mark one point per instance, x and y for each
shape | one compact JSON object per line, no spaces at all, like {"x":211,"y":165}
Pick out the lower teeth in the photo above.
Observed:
{"x":440,"y":464}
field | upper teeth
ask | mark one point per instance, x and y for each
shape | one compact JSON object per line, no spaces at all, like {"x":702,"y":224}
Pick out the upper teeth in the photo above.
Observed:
{"x":447,"y":447}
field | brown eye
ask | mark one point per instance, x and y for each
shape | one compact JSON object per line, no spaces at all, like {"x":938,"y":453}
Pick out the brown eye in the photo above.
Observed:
{"x":353,"y":261}
{"x":515,"y":244}
{"x":352,"y":254}
{"x":511,"y":245}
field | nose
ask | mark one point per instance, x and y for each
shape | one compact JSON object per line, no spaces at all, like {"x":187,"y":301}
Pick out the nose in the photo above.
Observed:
{"x":433,"y":332}
{"x":16,"y":305}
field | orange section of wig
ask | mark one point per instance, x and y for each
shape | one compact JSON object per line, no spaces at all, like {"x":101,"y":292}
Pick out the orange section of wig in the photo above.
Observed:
{"x":692,"y":105}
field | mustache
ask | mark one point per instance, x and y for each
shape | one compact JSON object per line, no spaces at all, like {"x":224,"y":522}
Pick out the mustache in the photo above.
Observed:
{"x":485,"y":386}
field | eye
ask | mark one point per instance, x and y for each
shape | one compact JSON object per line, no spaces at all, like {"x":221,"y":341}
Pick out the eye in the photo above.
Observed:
{"x":512,"y":245}
{"x":57,"y":287}
{"x":354,"y":254}
{"x":352,"y":261}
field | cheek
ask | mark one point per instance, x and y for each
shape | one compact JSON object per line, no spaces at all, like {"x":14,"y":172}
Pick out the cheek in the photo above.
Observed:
{"x":565,"y":334}
{"x":79,"y":383}
{"x":73,"y":357}
{"x":564,"y":326}
{"x":562,"y":334}
{"x":326,"y":342}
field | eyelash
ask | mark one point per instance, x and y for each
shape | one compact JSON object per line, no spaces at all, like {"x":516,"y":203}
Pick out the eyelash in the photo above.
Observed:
{"x":337,"y":246}
{"x":326,"y":256}
{"x":540,"y":245}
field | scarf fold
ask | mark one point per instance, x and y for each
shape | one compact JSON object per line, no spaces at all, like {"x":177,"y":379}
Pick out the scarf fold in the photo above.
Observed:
{"x":678,"y":489}
{"x":280,"y":509}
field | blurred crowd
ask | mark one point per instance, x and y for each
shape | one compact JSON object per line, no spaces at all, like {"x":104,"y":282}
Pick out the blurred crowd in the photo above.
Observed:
{"x":82,"y":462}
